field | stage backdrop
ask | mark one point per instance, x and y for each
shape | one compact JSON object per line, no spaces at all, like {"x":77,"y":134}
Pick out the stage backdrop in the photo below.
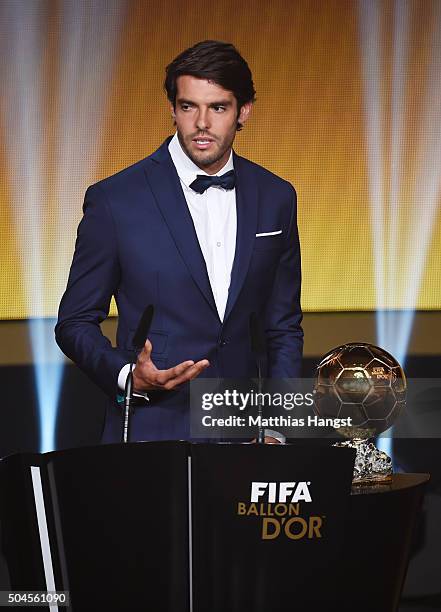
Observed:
{"x":348,"y":110}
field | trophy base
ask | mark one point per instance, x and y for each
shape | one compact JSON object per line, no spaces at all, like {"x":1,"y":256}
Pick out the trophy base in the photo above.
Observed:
{"x":372,"y":466}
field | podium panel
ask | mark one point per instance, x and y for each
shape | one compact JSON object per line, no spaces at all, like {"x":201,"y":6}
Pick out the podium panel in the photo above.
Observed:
{"x":179,"y":527}
{"x":379,"y":533}
{"x":117,"y":525}
{"x":274,"y":552}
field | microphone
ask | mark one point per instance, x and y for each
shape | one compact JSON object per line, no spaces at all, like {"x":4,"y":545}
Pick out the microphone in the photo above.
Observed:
{"x":258,"y":348}
{"x":141,"y":333}
{"x":258,"y":344}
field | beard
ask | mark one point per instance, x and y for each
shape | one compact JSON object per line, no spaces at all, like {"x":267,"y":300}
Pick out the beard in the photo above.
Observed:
{"x":204,"y":159}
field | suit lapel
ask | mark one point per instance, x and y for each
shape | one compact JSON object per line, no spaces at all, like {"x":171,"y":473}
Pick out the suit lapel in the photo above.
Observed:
{"x":166,"y":188}
{"x":247,"y":209}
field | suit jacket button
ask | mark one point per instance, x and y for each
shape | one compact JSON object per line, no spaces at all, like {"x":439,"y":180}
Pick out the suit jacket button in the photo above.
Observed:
{"x":223,"y":342}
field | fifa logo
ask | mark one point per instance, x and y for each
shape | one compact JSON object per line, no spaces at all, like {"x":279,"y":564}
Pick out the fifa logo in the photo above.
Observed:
{"x":284,"y":492}
{"x":278,"y":505}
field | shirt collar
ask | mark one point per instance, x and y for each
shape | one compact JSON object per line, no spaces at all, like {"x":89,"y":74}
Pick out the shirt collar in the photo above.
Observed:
{"x":186,"y":169}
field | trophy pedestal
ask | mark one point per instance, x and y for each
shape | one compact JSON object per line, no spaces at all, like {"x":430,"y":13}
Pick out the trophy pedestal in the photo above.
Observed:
{"x":372,"y":466}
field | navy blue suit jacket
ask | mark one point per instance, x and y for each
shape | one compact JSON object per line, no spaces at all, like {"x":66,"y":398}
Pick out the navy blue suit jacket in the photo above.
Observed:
{"x":137,"y":241}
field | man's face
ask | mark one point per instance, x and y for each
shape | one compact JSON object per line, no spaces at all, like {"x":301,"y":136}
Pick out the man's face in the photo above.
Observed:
{"x":206,"y":117}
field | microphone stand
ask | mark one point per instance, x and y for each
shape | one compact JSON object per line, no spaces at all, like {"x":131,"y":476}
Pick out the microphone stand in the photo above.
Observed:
{"x":258,"y":349}
{"x":139,"y":340}
{"x":128,"y":397}
{"x":260,"y":431}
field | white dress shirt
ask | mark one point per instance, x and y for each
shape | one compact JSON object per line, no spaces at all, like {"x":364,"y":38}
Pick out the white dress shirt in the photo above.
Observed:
{"x":214,"y":219}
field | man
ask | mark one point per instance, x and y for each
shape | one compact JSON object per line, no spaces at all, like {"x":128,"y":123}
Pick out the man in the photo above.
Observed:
{"x":205,"y":255}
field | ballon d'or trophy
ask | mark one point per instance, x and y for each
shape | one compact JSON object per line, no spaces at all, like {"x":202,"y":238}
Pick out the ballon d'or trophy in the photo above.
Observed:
{"x":366,"y":384}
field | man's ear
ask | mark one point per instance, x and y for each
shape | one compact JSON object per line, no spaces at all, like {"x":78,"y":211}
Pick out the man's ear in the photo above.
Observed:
{"x":245,"y":112}
{"x":172,"y":110}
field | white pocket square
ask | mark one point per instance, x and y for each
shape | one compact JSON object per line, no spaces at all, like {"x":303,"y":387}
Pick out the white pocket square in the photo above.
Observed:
{"x":276,"y":233}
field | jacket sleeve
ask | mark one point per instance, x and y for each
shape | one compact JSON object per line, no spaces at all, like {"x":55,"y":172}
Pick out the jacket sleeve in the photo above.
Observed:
{"x":93,"y":279}
{"x":284,"y":334}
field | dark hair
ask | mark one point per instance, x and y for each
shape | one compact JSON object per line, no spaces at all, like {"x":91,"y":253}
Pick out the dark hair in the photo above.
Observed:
{"x":215,"y":61}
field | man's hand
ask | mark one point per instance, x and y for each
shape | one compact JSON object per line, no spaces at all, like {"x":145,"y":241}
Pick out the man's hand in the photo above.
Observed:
{"x":147,"y":377}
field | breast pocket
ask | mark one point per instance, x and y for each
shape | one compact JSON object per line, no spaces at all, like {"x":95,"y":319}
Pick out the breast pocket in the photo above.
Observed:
{"x":266,"y":241}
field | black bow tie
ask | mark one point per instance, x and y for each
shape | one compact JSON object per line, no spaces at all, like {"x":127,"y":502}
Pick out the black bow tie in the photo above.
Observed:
{"x":203,"y":181}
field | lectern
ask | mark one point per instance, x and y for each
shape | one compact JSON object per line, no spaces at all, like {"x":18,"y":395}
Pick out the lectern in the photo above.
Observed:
{"x":173,"y":526}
